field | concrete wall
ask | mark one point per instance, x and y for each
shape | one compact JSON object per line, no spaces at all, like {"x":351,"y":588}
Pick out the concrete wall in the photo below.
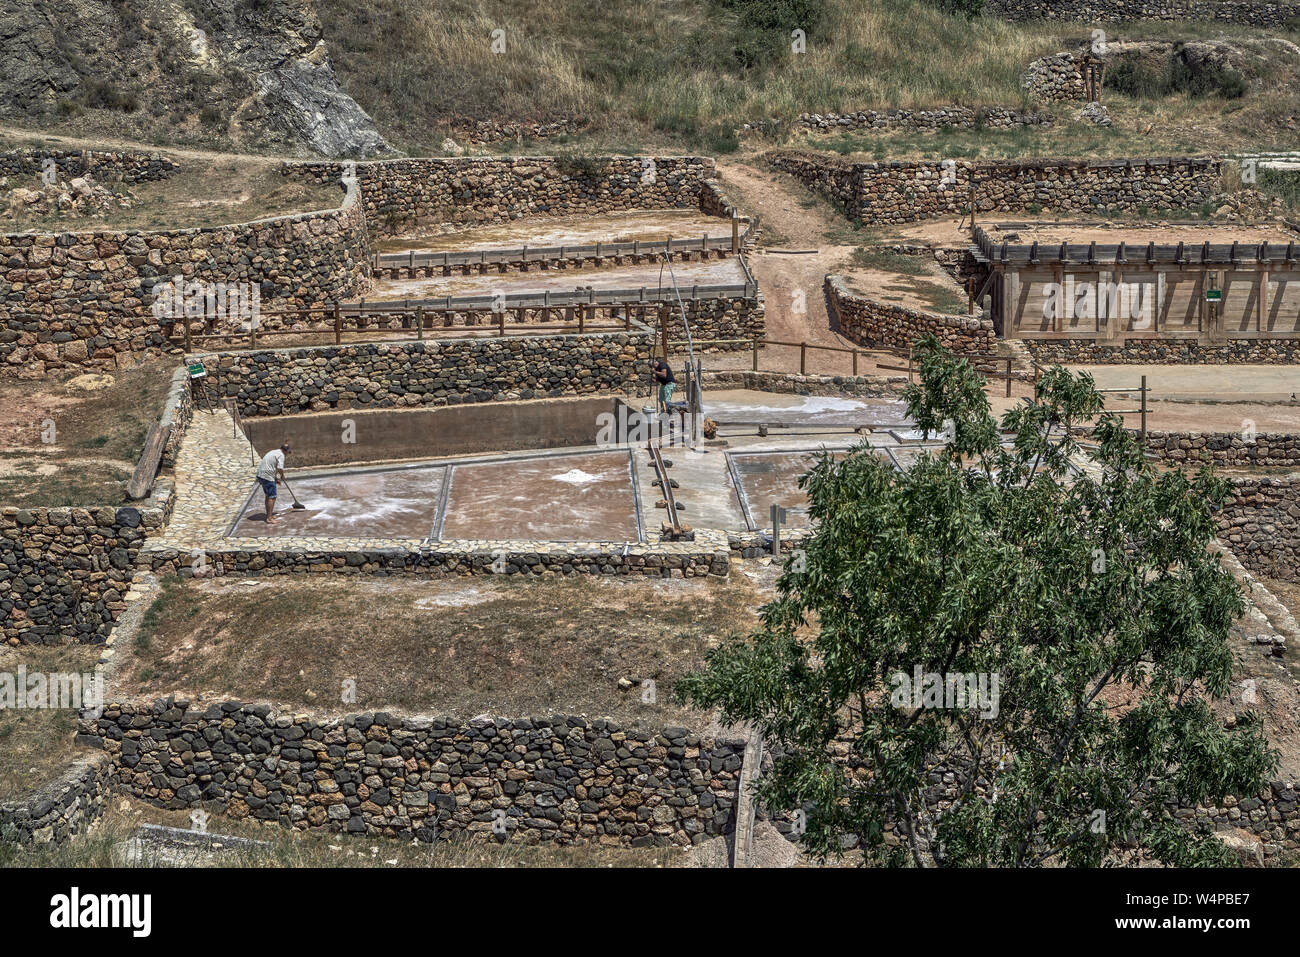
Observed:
{"x":908,"y":191}
{"x":429,"y":372}
{"x":872,"y":323}
{"x":561,"y":780}
{"x":391,"y":434}
{"x":1260,"y":13}
{"x":468,"y":191}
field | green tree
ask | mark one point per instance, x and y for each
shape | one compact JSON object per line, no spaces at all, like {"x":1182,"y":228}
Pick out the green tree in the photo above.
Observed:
{"x":1087,"y":592}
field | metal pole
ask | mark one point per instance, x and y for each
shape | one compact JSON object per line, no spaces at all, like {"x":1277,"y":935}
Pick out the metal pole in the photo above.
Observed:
{"x":1144,"y":409}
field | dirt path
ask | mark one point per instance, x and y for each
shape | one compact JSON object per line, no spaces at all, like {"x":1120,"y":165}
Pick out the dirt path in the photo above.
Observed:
{"x":791,"y":284}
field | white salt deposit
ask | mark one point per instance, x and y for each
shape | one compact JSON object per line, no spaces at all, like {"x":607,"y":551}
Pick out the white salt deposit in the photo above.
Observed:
{"x":576,"y":477}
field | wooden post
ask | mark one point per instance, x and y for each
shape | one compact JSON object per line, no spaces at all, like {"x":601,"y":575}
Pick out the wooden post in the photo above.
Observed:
{"x":1260,"y":297}
{"x":501,"y":322}
{"x":1008,"y":377}
{"x":419,"y":322}
{"x":185,"y":323}
{"x":756,"y":353}
{"x":855,"y":362}
{"x":803,"y":357}
{"x":338,"y":323}
{"x":735,"y":230}
{"x":582,"y":313}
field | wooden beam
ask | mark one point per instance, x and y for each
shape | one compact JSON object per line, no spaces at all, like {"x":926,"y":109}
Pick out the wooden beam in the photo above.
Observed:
{"x":146,"y":468}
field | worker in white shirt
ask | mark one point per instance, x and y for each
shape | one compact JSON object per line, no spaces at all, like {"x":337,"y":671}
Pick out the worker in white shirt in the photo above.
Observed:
{"x":271,"y":469}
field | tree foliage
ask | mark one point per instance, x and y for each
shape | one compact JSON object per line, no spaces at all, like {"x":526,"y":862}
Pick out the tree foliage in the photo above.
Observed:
{"x":1088,"y":593}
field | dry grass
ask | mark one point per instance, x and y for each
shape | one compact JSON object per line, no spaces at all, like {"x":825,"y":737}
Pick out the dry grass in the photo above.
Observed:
{"x":36,"y":743}
{"x":283,"y":847}
{"x":207,"y":191}
{"x":97,"y":436}
{"x":457,"y":647}
{"x":695,"y":72}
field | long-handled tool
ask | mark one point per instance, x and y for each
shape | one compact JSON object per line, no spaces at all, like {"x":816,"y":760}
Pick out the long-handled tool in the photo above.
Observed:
{"x":296,"y":504}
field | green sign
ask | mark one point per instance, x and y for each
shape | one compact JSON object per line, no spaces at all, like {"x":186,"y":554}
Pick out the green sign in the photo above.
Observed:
{"x":197,"y":371}
{"x":1214,"y":295}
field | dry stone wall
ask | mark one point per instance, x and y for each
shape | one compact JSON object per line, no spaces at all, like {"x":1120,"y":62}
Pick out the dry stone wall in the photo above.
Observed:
{"x":1260,"y":523}
{"x":61,"y":809}
{"x":64,"y":571}
{"x":1153,"y":351}
{"x":560,"y":779}
{"x":1226,"y":449}
{"x":469,"y":191}
{"x":951,"y":117}
{"x":86,"y":299}
{"x":912,"y":190}
{"x":1259,"y":13}
{"x":1055,"y":78}
{"x":126,"y":166}
{"x":871,"y":323}
{"x":431,"y":372}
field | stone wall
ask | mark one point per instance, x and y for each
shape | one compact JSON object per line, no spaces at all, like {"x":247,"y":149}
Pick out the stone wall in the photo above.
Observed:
{"x":177,"y":414}
{"x":429,"y":372}
{"x":1055,"y":78}
{"x":1152,"y":351}
{"x":912,"y":190}
{"x":64,"y":571}
{"x":126,"y":166}
{"x":1260,"y":523}
{"x":84,"y":299}
{"x":1259,"y":13}
{"x":62,"y":809}
{"x":470,"y":191}
{"x":561,"y":780}
{"x":872,"y":323}
{"x":685,"y":559}
{"x":1226,"y":449}
{"x":950,"y":117}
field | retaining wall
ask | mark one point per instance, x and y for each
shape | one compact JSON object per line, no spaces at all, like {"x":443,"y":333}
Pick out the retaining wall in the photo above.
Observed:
{"x":950,"y":117}
{"x":66,"y":807}
{"x":912,"y":190}
{"x":389,"y":435}
{"x":428,"y":372}
{"x":872,"y":323}
{"x":1166,"y":351}
{"x":1260,"y":523}
{"x":85,"y":299}
{"x":64,"y":571}
{"x":468,"y":191}
{"x":1226,"y":449}
{"x":561,"y":780}
{"x":125,"y":166}
{"x":1259,"y":13}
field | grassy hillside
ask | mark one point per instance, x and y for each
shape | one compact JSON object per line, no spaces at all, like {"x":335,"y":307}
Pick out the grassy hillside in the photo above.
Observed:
{"x":690,"y":68}
{"x":689,"y":72}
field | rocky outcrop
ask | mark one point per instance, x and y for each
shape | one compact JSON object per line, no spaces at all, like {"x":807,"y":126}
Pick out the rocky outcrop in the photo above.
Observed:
{"x":250,"y":70}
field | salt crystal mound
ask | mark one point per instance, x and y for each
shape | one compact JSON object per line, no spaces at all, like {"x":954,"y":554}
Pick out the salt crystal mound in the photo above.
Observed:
{"x":577,"y":477}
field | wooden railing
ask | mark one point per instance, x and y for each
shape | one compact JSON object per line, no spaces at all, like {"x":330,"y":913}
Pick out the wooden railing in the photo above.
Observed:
{"x":804,"y":348}
{"x":421,"y":259}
